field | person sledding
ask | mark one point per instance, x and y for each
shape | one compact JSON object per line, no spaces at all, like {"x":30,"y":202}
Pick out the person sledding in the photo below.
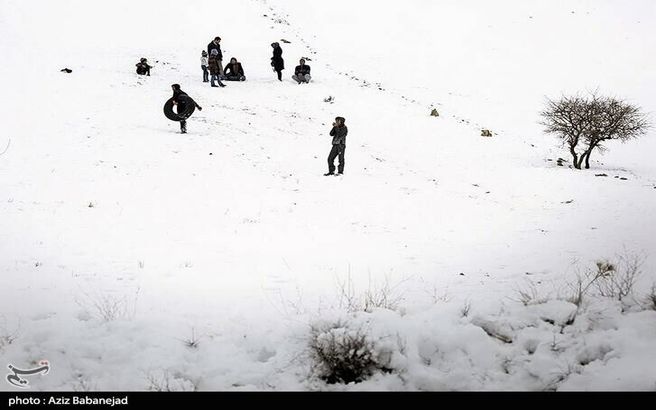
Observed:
{"x":143,"y":68}
{"x":234,"y":71}
{"x":338,"y":132}
{"x":182,"y":101}
{"x":302,"y":73}
{"x":215,"y":68}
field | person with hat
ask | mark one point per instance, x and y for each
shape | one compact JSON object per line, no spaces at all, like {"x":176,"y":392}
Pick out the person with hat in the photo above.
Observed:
{"x":203,"y":65}
{"x":277,"y":61}
{"x":338,"y":132}
{"x":181,"y":100}
{"x":143,"y":68}
{"x":214,"y":64}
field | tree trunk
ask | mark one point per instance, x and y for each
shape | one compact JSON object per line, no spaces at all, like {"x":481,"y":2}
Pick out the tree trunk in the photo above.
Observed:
{"x":575,"y":158}
{"x":587,"y":154}
{"x":579,"y":165}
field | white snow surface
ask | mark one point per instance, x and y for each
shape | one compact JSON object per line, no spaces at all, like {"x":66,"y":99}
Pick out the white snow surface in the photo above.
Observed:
{"x":121,"y":239}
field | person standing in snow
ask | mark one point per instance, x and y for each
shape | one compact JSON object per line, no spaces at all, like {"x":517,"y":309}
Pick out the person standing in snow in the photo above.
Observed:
{"x":277,"y":62}
{"x":338,"y":133}
{"x":302,"y":72}
{"x":143,"y":68}
{"x":234,"y":71}
{"x":181,"y":100}
{"x":215,"y":68}
{"x":203,"y":66}
{"x":216,"y":45}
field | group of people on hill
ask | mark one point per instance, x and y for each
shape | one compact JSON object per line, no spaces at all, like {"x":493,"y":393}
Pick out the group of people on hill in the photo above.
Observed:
{"x":215,"y":73}
{"x":301,"y":73}
{"x":211,"y":62}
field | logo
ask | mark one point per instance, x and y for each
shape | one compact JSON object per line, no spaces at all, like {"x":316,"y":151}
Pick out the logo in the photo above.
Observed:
{"x":15,"y":379}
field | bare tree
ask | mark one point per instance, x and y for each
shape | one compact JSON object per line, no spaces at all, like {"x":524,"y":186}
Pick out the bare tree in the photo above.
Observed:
{"x":586,"y":123}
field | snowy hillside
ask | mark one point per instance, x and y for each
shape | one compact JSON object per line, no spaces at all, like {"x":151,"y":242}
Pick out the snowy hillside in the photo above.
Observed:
{"x":120,"y":235}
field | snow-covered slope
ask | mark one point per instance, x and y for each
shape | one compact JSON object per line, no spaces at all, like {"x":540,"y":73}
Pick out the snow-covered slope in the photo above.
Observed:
{"x":233,"y":231}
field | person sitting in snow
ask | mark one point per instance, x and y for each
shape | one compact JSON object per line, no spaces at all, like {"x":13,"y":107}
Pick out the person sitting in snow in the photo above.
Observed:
{"x":338,"y":133}
{"x":214,"y":64}
{"x":234,"y":71}
{"x":302,"y":72}
{"x":143,"y":68}
{"x":181,"y":100}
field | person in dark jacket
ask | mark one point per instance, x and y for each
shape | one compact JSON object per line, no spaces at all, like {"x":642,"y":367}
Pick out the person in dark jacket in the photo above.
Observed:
{"x":203,"y":65}
{"x":302,"y":72}
{"x":181,"y":100}
{"x":214,"y":65}
{"x":277,"y":62}
{"x":143,"y":68}
{"x":216,"y":45}
{"x":338,"y":133}
{"x":234,"y":71}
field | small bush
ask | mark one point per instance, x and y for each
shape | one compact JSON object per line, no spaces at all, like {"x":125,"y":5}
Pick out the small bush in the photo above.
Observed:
{"x":193,"y":341}
{"x":530,"y":295}
{"x":611,"y":279}
{"x":584,"y":282}
{"x":621,"y":277}
{"x":342,"y":355}
{"x":107,"y":307}
{"x":7,"y":336}
{"x":650,"y":298}
{"x":377,"y":296}
{"x":465,"y":309}
{"x":164,"y":381}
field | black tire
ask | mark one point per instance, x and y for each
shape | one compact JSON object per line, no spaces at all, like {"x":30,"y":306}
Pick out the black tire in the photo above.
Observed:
{"x":174,"y":116}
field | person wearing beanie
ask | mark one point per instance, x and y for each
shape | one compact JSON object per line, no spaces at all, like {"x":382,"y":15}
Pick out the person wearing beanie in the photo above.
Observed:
{"x":214,"y":64}
{"x":203,"y":66}
{"x":338,"y":133}
{"x":277,"y":61}
{"x":143,"y":68}
{"x":181,"y":100}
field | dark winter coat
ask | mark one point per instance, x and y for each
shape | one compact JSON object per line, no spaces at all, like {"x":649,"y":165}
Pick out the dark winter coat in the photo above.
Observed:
{"x":211,"y":46}
{"x":339,"y":135}
{"x":214,"y":64}
{"x":302,"y":70}
{"x":143,"y":68}
{"x":182,"y":99}
{"x":234,"y":70}
{"x":276,"y":61}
